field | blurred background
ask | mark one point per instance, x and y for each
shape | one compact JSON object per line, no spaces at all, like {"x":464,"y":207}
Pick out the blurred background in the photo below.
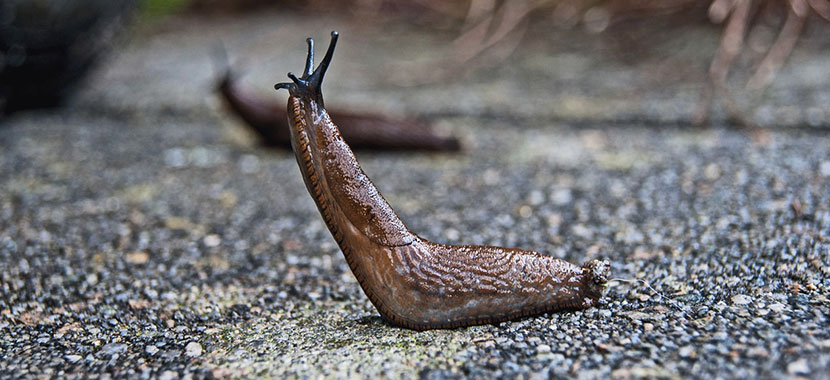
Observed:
{"x":677,"y":61}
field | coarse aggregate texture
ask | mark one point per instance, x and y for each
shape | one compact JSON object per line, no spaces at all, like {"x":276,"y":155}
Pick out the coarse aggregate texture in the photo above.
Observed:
{"x":143,"y":234}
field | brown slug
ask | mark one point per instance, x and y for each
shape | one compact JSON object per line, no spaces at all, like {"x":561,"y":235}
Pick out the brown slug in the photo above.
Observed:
{"x":413,"y":282}
{"x":360,"y":130}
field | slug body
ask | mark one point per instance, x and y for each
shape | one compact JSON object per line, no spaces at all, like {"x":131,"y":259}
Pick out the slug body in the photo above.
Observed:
{"x":361,"y":131}
{"x":413,"y":282}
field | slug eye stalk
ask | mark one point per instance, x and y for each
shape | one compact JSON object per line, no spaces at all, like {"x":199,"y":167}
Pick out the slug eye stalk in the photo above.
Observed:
{"x":413,"y":282}
{"x":311,"y":81}
{"x":309,"y":60}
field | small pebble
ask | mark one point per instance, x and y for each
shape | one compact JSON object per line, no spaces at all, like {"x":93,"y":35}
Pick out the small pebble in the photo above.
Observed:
{"x":73,"y":358}
{"x":212,"y":240}
{"x":687,"y":352}
{"x":798,"y":367}
{"x":824,"y":168}
{"x":113,"y":348}
{"x":777,"y":307}
{"x":168,"y":375}
{"x":741,"y":299}
{"x":193,"y":349}
{"x":138,"y":257}
{"x":758,"y":352}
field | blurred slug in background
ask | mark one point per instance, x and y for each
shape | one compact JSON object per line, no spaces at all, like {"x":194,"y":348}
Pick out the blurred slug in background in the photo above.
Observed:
{"x":364,"y":131}
{"x":413,"y":282}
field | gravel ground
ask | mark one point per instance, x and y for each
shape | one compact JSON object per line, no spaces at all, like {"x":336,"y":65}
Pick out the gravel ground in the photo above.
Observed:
{"x":143,"y":233}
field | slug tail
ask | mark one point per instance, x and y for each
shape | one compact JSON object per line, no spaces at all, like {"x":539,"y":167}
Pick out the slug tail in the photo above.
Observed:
{"x":596,"y":277}
{"x":597,"y":271}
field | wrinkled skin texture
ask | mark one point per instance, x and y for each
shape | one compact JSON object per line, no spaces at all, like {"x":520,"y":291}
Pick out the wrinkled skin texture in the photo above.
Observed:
{"x":413,"y":282}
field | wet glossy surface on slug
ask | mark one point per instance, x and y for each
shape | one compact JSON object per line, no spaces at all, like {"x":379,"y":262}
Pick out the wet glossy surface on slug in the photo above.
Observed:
{"x":413,"y":282}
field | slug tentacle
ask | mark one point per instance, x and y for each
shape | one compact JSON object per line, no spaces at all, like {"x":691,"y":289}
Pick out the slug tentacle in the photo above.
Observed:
{"x":311,"y":82}
{"x":413,"y":282}
{"x":309,"y":61}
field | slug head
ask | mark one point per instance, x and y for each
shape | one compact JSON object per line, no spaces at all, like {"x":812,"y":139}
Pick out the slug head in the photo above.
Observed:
{"x":308,"y":86}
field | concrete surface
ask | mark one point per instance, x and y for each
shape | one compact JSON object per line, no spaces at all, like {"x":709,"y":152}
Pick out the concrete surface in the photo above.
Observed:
{"x":144,"y":233}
